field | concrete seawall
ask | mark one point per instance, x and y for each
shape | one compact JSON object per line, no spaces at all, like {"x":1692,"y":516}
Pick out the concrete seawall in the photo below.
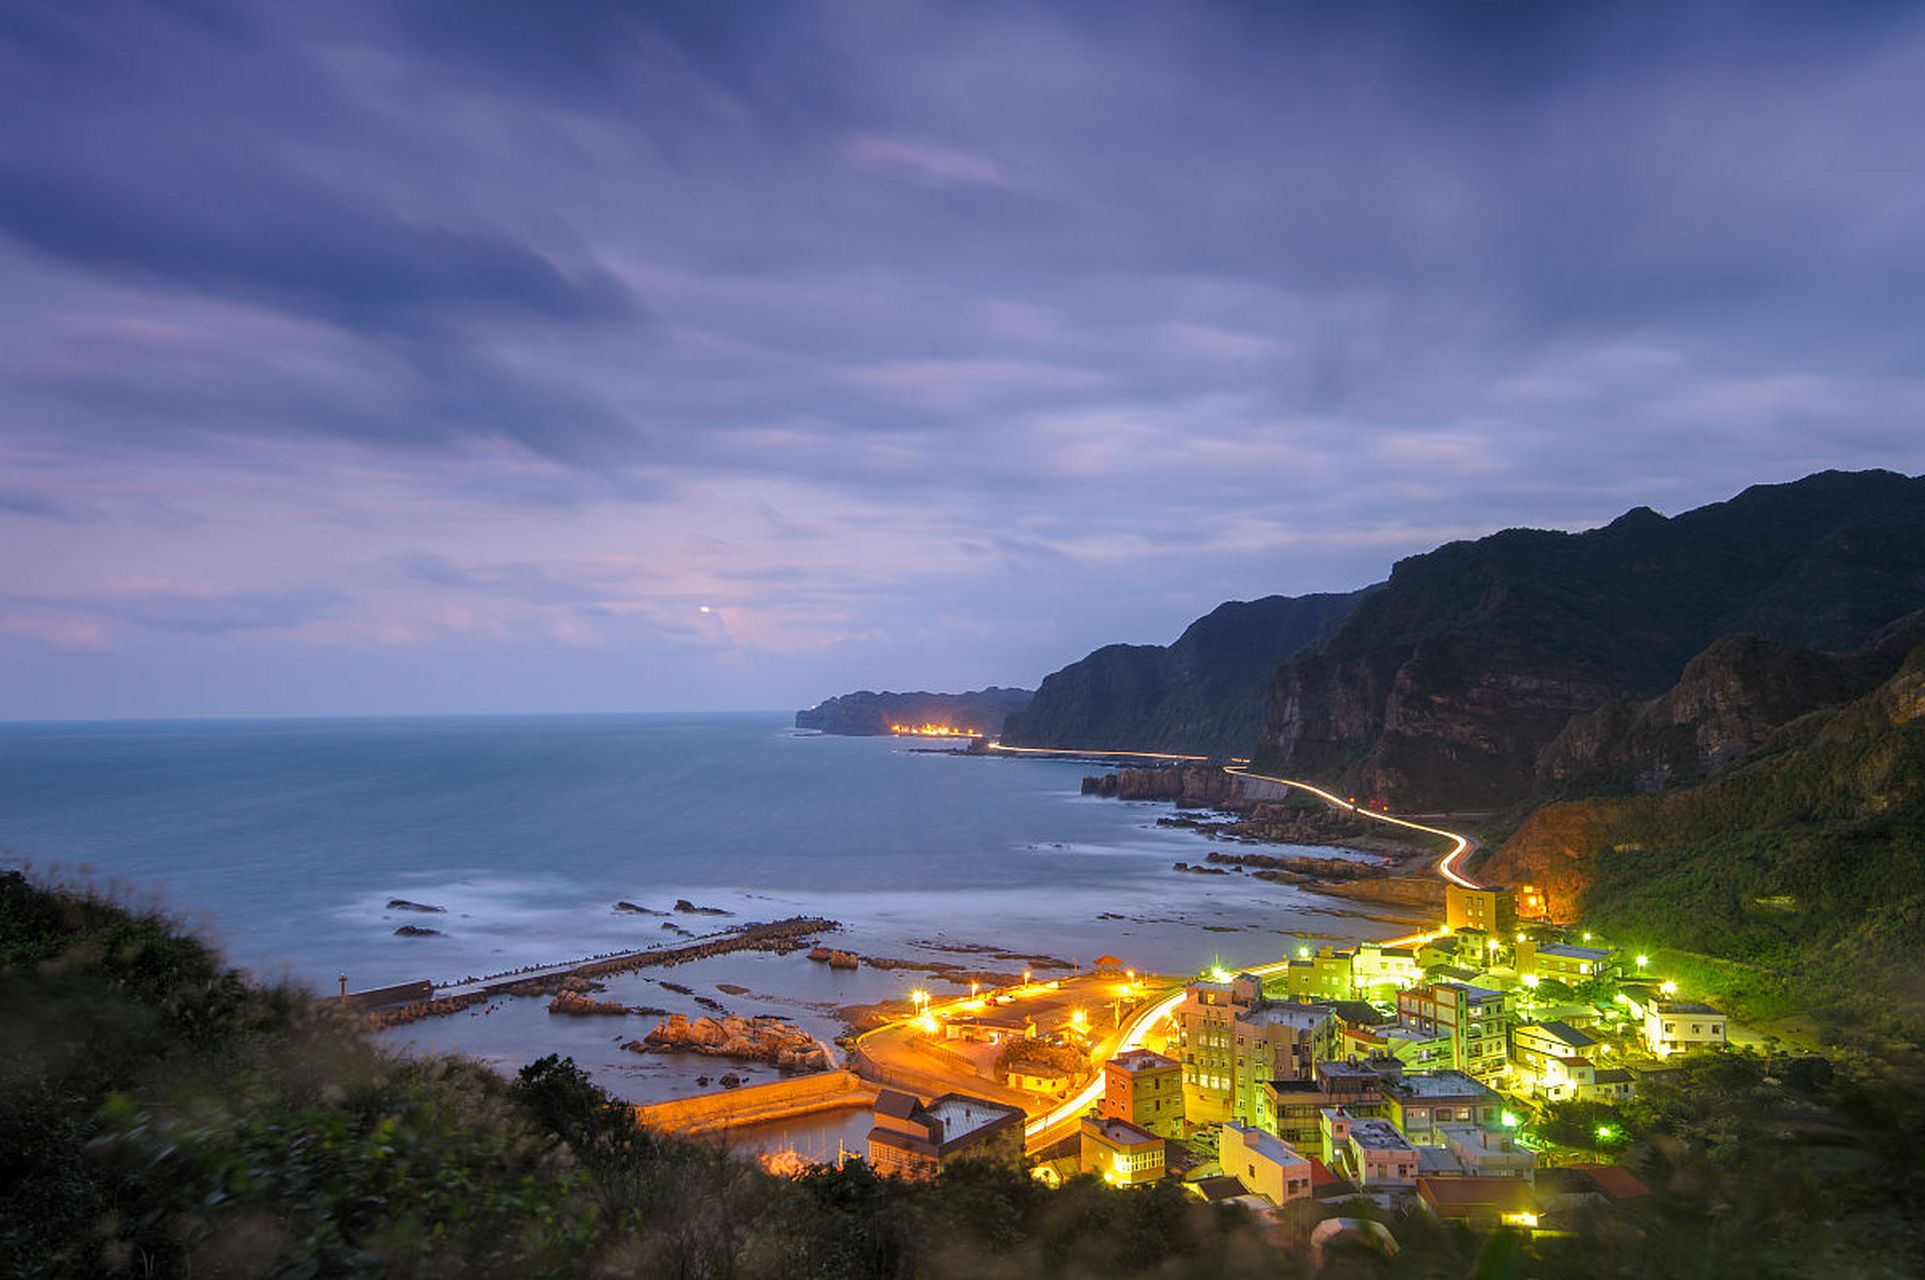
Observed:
{"x":759,"y":1104}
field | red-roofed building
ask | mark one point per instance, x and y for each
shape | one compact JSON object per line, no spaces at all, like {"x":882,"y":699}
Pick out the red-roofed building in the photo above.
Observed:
{"x":1481,"y":1202}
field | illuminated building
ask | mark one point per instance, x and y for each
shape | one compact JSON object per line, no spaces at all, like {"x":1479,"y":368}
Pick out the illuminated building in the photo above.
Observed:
{"x":1535,"y":1045}
{"x":1486,"y":1152}
{"x":1119,"y":1152}
{"x":1492,"y":909}
{"x":911,"y":1139}
{"x":1678,"y":1026}
{"x":1531,"y":903}
{"x":1233,"y":1042}
{"x":1296,"y":1107}
{"x":1472,"y":1019}
{"x":1145,"y":1089}
{"x":1323,"y":976}
{"x":1561,"y":960}
{"x":1419,"y":1102}
{"x":1480,"y":1202}
{"x":1371,"y":1152}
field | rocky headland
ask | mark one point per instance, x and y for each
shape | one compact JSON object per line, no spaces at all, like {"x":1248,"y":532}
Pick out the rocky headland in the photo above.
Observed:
{"x":868,"y":714}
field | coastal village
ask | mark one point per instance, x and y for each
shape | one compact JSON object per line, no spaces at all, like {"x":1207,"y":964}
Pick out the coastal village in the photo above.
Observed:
{"x":1423,"y":1071}
{"x":1412,"y":1071}
{"x":1466,"y":1070}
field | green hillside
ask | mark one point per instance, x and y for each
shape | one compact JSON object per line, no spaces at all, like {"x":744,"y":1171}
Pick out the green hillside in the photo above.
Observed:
{"x":1808,"y":860}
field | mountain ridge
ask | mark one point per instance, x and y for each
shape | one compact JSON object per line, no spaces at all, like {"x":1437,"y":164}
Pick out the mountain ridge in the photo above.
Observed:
{"x":1199,"y":695}
{"x":1444,"y":686}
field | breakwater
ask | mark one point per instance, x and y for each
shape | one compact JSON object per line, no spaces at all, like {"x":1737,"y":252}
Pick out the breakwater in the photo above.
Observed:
{"x":759,"y":1104}
{"x":550,"y":980}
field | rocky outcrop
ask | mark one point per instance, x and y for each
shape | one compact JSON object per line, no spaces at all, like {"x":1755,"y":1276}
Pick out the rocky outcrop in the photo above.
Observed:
{"x":1443,"y":687}
{"x":770,"y":1040}
{"x":571,"y":1002}
{"x":636,"y":909}
{"x":1202,"y":695}
{"x":687,"y":908}
{"x":1186,"y":785}
{"x":836,"y":959}
{"x":870,"y":714}
{"x":416,"y":931}
{"x":402,"y":904}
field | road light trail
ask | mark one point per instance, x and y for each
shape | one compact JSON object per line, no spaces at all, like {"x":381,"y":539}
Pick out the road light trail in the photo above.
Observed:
{"x":1075,"y":751}
{"x":1446,"y":866}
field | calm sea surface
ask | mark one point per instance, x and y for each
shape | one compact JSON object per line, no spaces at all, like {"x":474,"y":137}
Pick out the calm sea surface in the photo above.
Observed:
{"x":283,"y":841}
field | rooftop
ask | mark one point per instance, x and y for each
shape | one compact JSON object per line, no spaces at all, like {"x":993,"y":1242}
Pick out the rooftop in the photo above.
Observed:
{"x":1358,"y":1013}
{"x":1361,"y":1067}
{"x":893,"y":1102}
{"x":961,"y":1115}
{"x":1142,"y":1060}
{"x":1221,"y":1187}
{"x":1378,"y":1135}
{"x":1506,"y":1195}
{"x":1120,"y":1132}
{"x":1439,"y":1084}
{"x":1301,"y":1017}
{"x":1613,"y":1180}
{"x":1571,"y":951}
{"x":1562,"y":1032}
{"x":1687,"y":1007}
{"x":1267,"y":1145}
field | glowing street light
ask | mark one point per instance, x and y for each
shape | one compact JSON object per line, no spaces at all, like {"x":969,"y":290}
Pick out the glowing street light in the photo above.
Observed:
{"x":1303,"y":953}
{"x":1643,"y":961}
{"x":1668,"y":988}
{"x":1605,"y":1133}
{"x":1509,"y":1120}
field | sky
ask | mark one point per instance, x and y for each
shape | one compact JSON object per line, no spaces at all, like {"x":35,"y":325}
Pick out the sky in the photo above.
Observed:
{"x":449,"y":356}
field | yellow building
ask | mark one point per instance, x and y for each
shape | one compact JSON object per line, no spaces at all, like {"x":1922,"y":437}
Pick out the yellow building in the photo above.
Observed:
{"x":1119,"y":1152}
{"x":1492,"y":909}
{"x":1145,"y":1089}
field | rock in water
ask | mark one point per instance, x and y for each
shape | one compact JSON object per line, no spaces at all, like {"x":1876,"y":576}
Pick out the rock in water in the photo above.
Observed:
{"x":416,"y":931}
{"x":689,"y":908}
{"x":402,"y":904}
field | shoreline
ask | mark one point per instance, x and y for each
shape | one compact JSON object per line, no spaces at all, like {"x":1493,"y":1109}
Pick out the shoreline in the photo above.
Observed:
{"x":1310,"y":910}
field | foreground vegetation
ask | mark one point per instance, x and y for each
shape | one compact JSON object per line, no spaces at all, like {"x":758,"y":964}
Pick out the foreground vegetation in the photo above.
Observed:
{"x":161,"y":1115}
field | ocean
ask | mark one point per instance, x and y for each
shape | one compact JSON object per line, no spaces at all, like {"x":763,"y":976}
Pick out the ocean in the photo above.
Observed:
{"x":283,"y":841}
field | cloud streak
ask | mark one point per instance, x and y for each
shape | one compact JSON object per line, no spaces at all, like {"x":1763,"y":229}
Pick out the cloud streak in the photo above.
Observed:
{"x":926,"y":346}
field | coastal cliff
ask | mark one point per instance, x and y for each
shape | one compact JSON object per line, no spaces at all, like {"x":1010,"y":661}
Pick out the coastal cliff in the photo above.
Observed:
{"x":1202,"y":695}
{"x":868,"y":714}
{"x":1444,"y":686}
